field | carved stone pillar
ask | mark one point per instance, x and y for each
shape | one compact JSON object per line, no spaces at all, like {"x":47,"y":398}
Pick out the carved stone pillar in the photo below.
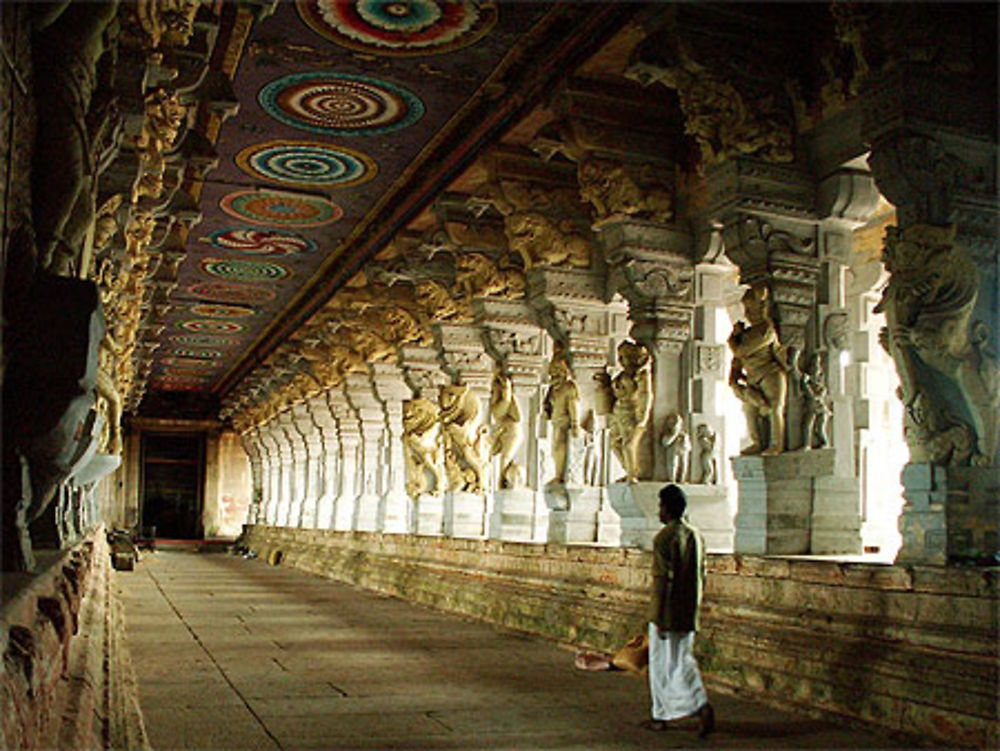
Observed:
{"x":467,"y":508}
{"x":292,"y":449}
{"x":257,"y":457}
{"x":309,"y":460}
{"x":371,"y":419}
{"x":572,"y":306}
{"x":934,"y":157}
{"x":349,"y":434}
{"x":519,"y":348}
{"x":395,"y":512}
{"x":328,"y":471}
{"x":422,"y":373}
{"x":272,"y":476}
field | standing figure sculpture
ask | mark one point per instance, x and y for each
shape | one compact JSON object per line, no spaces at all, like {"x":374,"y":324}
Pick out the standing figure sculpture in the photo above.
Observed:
{"x":818,"y":407}
{"x":706,"y":455}
{"x":759,"y":374}
{"x":420,"y":447}
{"x":630,"y":394}
{"x":461,"y":439}
{"x":562,"y":408}
{"x":676,"y":445}
{"x":506,"y":436}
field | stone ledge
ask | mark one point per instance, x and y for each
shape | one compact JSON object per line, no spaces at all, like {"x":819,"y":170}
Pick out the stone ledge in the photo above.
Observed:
{"x":908,"y":649}
{"x":64,"y":658}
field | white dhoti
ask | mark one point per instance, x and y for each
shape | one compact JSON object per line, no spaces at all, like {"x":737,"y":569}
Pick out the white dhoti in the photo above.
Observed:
{"x":674,"y":680}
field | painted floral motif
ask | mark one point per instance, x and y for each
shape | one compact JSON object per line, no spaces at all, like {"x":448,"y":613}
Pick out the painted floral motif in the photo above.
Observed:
{"x":211,"y":326}
{"x":306,"y":164}
{"x":340,"y":104}
{"x":245,"y":270}
{"x":215,"y":310}
{"x":278,"y":208}
{"x":400,"y":27}
{"x":260,"y":242}
{"x":232,"y":292}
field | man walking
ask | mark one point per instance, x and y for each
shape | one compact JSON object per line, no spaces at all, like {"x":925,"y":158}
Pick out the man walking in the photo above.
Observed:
{"x":678,"y":575}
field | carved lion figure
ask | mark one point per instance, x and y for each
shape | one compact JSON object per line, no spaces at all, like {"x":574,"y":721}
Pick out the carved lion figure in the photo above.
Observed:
{"x":506,"y":437}
{"x":420,"y":447}
{"x":541,"y":243}
{"x":611,"y":190}
{"x":477,"y":275}
{"x":461,"y":438}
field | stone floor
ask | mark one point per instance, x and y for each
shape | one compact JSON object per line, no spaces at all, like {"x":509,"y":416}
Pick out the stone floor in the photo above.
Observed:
{"x":235,"y":654}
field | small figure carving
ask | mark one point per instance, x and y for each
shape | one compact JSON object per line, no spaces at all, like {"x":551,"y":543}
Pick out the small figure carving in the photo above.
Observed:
{"x":461,"y":439}
{"x":476,"y":275}
{"x":818,"y":406}
{"x":506,"y":436}
{"x":541,"y":243}
{"x":676,"y":445}
{"x":438,"y":303}
{"x":562,"y":409}
{"x":706,"y":454}
{"x":630,"y":394}
{"x":169,"y":22}
{"x":759,"y":374}
{"x":928,"y":303}
{"x":611,"y":190}
{"x":591,"y":446}
{"x":164,"y":116}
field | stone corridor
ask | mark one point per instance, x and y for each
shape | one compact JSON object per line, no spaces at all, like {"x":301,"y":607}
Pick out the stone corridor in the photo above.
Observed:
{"x":236,"y":654}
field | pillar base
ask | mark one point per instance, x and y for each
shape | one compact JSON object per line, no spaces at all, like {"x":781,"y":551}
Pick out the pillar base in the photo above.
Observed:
{"x":776,"y":500}
{"x":428,"y":515}
{"x":394,"y":513}
{"x":573,"y":511}
{"x":638,"y":504}
{"x":513,"y":515}
{"x":464,"y":514}
{"x":950,"y":516}
{"x":366,"y":513}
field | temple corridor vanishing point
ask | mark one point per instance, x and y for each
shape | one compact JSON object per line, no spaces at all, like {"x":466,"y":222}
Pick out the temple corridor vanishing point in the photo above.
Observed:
{"x":351,"y":276}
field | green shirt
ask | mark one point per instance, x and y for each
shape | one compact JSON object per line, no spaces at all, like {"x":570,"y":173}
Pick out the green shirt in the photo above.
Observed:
{"x":678,"y":577}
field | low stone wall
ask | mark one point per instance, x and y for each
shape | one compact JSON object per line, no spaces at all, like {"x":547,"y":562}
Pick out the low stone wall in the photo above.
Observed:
{"x":66,"y":680}
{"x":910,"y":649}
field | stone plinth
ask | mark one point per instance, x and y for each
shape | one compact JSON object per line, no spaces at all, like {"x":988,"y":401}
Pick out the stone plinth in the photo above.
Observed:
{"x":951,"y":514}
{"x":776,"y":497}
{"x":464,"y":514}
{"x":394,"y":513}
{"x":428,"y":514}
{"x":638,"y":506}
{"x":513,"y":515}
{"x":836,"y":518}
{"x":573,"y":513}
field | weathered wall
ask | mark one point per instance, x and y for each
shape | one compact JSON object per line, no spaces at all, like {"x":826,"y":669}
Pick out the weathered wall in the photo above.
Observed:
{"x":227,"y":485}
{"x":66,"y":679}
{"x":907,"y":648}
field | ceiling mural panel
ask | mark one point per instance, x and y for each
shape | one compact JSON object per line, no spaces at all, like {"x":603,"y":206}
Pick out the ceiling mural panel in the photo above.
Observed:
{"x":339,"y":102}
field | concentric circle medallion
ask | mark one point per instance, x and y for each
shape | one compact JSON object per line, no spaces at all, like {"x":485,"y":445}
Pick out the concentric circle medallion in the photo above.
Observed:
{"x":210,"y":326}
{"x":260,"y":242}
{"x":184,"y":355}
{"x":306,"y":164}
{"x":202,"y":340}
{"x":400,"y":27}
{"x":245,"y":270}
{"x":232,"y":292}
{"x":340,"y":103}
{"x":216,"y":310}
{"x":283,"y":209}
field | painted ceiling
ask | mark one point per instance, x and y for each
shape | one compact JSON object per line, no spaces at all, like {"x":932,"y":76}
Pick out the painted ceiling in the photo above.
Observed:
{"x":341,"y":105}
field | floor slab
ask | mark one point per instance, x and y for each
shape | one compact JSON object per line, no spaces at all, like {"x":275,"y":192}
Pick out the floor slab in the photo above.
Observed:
{"x":236,"y":654}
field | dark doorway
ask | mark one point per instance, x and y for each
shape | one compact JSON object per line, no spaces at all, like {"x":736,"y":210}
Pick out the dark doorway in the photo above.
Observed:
{"x":171,"y":485}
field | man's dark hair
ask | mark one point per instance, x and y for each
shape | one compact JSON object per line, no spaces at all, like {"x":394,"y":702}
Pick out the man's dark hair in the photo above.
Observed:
{"x":672,"y":499}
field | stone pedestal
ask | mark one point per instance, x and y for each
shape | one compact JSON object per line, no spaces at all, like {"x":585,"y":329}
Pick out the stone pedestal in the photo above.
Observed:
{"x":427,"y":515}
{"x":394,"y":513}
{"x":951,"y":514}
{"x":637,"y":504}
{"x":776,"y":500}
{"x":573,"y":513}
{"x":464,"y":514}
{"x":513,"y":515}
{"x":836,"y":519}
